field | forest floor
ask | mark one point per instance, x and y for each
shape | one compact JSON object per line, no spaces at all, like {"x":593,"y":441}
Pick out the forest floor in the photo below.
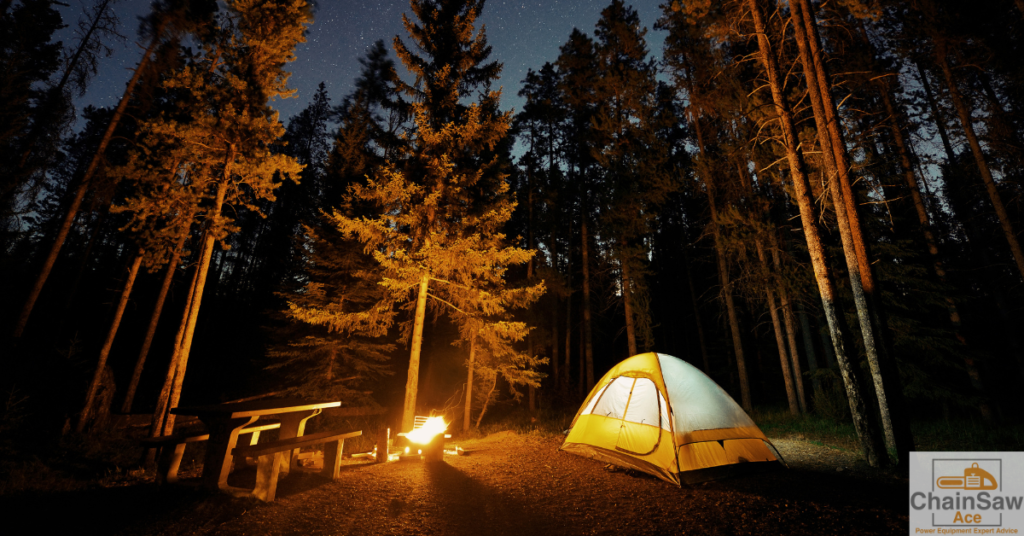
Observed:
{"x":506,"y":484}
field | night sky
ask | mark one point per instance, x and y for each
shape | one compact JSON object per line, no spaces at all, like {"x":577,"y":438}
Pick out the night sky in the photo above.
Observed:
{"x":523,"y":34}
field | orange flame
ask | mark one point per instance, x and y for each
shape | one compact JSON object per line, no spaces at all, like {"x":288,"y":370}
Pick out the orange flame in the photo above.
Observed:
{"x":423,"y":434}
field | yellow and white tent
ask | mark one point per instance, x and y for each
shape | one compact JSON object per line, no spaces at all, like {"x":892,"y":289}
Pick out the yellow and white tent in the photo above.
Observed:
{"x":659,"y":414}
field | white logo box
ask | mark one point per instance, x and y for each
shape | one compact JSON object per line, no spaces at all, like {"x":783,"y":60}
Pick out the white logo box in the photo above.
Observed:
{"x":966,"y":493}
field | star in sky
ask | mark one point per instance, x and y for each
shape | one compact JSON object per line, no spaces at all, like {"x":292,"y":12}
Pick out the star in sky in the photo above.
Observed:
{"x":522,"y":34}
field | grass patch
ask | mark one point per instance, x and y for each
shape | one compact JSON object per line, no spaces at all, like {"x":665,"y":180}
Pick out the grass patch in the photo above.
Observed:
{"x":821,"y":431}
{"x":968,"y":435}
{"x":952,"y":435}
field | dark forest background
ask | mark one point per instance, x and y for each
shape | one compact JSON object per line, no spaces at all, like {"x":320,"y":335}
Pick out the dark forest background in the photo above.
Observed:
{"x":817,"y":204}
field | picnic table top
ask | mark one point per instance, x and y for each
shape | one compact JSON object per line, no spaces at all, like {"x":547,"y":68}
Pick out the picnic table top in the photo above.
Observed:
{"x":270,"y":406}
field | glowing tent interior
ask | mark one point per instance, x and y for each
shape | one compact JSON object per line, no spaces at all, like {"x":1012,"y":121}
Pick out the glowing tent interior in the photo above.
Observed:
{"x":659,"y":414}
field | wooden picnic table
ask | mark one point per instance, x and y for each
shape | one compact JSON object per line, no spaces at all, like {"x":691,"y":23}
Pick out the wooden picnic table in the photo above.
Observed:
{"x":224,"y":421}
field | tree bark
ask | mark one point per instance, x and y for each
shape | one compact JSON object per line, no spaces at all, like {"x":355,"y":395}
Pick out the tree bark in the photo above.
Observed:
{"x":413,"y":379}
{"x":940,"y":123}
{"x":554,"y":316}
{"x":870,"y":440}
{"x":696,"y":317}
{"x":929,"y":238}
{"x":487,"y":401}
{"x":90,"y":396}
{"x":568,"y":318}
{"x":627,"y":299}
{"x":730,"y":307}
{"x":812,"y":358}
{"x":794,"y":353}
{"x":160,"y":414}
{"x":154,"y":319}
{"x":780,"y":340}
{"x":833,"y":150}
{"x":979,"y":155}
{"x":555,"y":368}
{"x":723,"y":277}
{"x":531,"y":390}
{"x":80,"y":190}
{"x":197,"y":297}
{"x":469,"y":384}
{"x":587,"y":344}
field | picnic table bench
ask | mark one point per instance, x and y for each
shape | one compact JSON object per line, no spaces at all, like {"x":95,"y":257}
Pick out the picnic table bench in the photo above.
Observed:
{"x":272,"y":458}
{"x":225,"y":422}
{"x":173,"y":447}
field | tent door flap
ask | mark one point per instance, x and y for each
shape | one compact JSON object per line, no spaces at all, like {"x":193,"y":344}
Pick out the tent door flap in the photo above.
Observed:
{"x":640,"y":428}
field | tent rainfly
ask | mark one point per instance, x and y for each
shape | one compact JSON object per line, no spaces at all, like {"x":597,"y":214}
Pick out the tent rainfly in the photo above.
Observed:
{"x":659,"y":414}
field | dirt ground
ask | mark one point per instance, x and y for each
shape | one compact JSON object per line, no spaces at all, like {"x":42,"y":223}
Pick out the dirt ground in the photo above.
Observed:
{"x":507,"y":484}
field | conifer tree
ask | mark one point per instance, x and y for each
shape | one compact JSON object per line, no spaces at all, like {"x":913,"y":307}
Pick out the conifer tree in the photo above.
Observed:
{"x":631,"y":155}
{"x":169,"y":18}
{"x":436,"y":237}
{"x":329,"y":348}
{"x":229,"y":129}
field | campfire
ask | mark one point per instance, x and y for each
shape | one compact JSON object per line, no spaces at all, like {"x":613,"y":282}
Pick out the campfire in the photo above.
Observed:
{"x":425,"y":433}
{"x":427,"y":438}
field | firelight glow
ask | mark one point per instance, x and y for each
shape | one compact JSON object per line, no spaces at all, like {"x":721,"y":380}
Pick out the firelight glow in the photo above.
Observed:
{"x":423,"y":434}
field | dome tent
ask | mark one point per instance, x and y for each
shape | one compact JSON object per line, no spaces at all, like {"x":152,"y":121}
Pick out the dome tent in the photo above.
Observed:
{"x":659,"y":414}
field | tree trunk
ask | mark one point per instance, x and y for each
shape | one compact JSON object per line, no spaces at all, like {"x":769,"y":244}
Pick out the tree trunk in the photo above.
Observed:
{"x":587,"y":345}
{"x":554,"y":316}
{"x":929,"y":238}
{"x":469,"y":384}
{"x":830,"y":128}
{"x":627,"y":299}
{"x":154,"y":319}
{"x":780,"y":340}
{"x":870,"y":440}
{"x":940,"y":123}
{"x":696,"y":317}
{"x":583,"y":366}
{"x":197,"y":297}
{"x":413,"y":379}
{"x":555,"y":368}
{"x":85,"y":261}
{"x":160,"y":414}
{"x":531,"y":390}
{"x":730,"y":307}
{"x":83,"y":186}
{"x":979,"y":155}
{"x":724,"y":280}
{"x":568,"y":319}
{"x":794,"y":354}
{"x":90,"y":396}
{"x":836,"y":161}
{"x":487,"y":401}
{"x":812,"y":358}
{"x":69,"y":68}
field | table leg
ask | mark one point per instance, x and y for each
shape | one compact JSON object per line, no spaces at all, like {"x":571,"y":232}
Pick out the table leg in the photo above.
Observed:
{"x":223,"y":437}
{"x":245,"y":438}
{"x":294,"y":425}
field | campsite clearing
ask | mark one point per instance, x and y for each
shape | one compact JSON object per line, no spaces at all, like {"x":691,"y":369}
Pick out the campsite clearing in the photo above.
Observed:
{"x":508,"y":484}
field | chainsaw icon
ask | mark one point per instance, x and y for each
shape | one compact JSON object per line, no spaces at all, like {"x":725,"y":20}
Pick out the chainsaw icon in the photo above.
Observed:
{"x":974,"y":478}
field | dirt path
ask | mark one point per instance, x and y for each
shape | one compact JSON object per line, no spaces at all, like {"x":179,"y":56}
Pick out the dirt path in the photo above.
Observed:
{"x":511,"y":484}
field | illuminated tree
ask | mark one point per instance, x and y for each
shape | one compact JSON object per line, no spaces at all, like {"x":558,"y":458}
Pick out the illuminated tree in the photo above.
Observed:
{"x":436,"y":235}
{"x":229,"y":130}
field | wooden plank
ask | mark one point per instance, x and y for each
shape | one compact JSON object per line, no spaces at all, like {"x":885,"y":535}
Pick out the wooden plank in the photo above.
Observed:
{"x":195,"y":437}
{"x":272,"y":406}
{"x":292,"y":443}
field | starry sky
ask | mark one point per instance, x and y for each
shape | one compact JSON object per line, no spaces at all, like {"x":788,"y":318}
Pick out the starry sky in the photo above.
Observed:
{"x":523,"y":34}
